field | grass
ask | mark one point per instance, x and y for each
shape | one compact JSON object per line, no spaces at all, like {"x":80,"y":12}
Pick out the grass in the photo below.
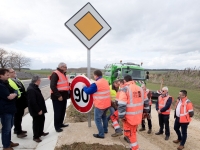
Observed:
{"x":193,"y":95}
{"x":41,"y":72}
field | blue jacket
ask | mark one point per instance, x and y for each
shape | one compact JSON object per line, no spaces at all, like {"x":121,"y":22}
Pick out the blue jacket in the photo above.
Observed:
{"x":6,"y":105}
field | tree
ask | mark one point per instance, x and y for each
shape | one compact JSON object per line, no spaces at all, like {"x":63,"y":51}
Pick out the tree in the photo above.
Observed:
{"x":12,"y":60}
{"x":22,"y":61}
{"x":3,"y":58}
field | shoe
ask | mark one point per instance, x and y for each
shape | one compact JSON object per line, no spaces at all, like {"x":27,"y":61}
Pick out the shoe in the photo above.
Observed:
{"x":59,"y":130}
{"x":180,"y":147}
{"x":167,"y":138}
{"x":177,"y":141}
{"x":149,"y":131}
{"x":15,"y":132}
{"x":13,"y":144}
{"x":9,"y":148}
{"x":105,"y":132}
{"x":22,"y":135}
{"x":142,"y":129}
{"x":127,"y":139}
{"x":64,"y":125}
{"x":45,"y":134}
{"x":158,"y":133}
{"x":37,"y":140}
{"x":97,"y":136}
{"x":117,"y":134}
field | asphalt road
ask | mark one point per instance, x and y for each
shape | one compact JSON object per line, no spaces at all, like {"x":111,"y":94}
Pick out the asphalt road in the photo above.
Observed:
{"x":44,"y":83}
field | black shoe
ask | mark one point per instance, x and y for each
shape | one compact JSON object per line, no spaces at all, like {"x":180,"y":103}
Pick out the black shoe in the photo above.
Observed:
{"x":15,"y":132}
{"x":105,"y":132}
{"x":45,"y":134}
{"x":59,"y":130}
{"x":97,"y":136}
{"x":64,"y":125}
{"x":167,"y":138}
{"x":22,"y":135}
{"x":158,"y":133}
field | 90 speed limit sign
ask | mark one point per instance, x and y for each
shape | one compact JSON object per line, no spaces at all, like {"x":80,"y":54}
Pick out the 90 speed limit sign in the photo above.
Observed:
{"x":81,"y":101}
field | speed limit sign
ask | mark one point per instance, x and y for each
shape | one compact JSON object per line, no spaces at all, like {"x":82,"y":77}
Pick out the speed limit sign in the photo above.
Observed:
{"x":81,"y":101}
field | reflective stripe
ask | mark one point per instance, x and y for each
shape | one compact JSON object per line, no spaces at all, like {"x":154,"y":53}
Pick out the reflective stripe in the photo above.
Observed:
{"x":122,"y":102}
{"x":134,"y":105}
{"x":146,"y":99}
{"x":135,"y":113}
{"x":146,"y":107}
{"x":130,"y":95}
{"x":117,"y":127}
{"x":190,"y":110}
{"x":62,"y":82}
{"x":101,"y":97}
{"x":183,"y":114}
{"x":122,"y":113}
{"x":133,"y":144}
{"x":115,"y":122}
{"x":63,"y":88}
{"x":104,"y":92}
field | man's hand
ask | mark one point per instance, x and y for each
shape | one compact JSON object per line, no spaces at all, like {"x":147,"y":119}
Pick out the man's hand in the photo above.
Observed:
{"x":60,"y":98}
{"x":40,"y":113}
{"x":12,"y":96}
{"x":159,"y":112}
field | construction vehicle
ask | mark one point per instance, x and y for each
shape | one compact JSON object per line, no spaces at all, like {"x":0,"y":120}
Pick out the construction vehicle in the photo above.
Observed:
{"x":119,"y":70}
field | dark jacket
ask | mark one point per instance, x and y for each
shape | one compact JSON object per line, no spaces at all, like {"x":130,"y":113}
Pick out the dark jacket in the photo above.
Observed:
{"x":36,"y":101}
{"x":53,"y":85}
{"x":6,"y":105}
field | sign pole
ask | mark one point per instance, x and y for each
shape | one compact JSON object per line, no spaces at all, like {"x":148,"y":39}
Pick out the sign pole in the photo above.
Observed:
{"x":89,"y":77}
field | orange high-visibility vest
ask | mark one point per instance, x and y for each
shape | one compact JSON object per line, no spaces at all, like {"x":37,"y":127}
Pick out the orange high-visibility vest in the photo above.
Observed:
{"x":186,"y":107}
{"x":102,"y":97}
{"x":62,"y":84}
{"x":134,"y":100}
{"x":162,"y":102}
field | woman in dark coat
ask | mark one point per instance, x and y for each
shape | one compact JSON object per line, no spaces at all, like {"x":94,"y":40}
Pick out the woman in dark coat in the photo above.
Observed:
{"x":37,"y":108}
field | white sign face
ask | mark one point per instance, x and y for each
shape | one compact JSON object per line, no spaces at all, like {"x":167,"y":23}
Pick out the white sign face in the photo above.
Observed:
{"x":81,"y":101}
{"x":88,"y":26}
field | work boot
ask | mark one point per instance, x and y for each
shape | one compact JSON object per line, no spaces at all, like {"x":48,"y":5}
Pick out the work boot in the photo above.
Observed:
{"x":142,"y":129}
{"x":158,"y":133}
{"x":9,"y":148}
{"x":177,"y":141}
{"x":38,"y":140}
{"x":180,"y":147}
{"x":15,"y":132}
{"x":45,"y":134}
{"x":117,"y":134}
{"x":22,"y":135}
{"x":149,"y":131}
{"x":13,"y":144}
{"x":127,"y":139}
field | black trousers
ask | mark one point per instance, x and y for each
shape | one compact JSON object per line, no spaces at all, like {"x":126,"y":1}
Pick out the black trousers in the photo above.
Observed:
{"x":183,"y":131}
{"x":148,"y":120}
{"x":18,"y":120}
{"x":38,"y":125}
{"x":164,"y":121}
{"x":59,"y":108}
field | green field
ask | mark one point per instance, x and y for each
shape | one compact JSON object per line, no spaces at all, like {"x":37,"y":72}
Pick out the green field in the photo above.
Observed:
{"x":193,"y":95}
{"x":42,"y":72}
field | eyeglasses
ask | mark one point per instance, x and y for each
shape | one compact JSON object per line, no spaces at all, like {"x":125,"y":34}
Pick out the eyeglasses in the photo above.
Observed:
{"x":64,"y":67}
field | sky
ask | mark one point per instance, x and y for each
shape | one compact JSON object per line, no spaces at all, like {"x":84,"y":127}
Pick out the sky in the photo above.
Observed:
{"x":161,"y":34}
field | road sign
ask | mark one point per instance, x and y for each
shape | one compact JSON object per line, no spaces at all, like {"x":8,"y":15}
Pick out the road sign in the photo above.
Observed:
{"x":88,"y":25}
{"x":81,"y":101}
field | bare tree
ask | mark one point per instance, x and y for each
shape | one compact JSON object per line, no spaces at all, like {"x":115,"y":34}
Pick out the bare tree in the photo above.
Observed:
{"x":3,"y":58}
{"x":22,"y":61}
{"x":12,"y":60}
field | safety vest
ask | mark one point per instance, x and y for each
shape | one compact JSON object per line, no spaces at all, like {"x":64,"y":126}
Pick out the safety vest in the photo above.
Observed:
{"x":62,"y":84}
{"x":186,"y":107}
{"x":162,"y":102}
{"x":135,"y":103}
{"x":14,"y":86}
{"x":101,"y":98}
{"x":113,"y":93}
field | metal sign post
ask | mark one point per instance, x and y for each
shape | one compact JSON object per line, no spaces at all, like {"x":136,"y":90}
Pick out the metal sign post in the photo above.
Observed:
{"x":89,"y":77}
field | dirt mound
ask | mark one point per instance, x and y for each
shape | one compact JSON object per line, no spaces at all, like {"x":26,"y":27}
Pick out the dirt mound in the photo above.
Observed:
{"x":95,"y":146}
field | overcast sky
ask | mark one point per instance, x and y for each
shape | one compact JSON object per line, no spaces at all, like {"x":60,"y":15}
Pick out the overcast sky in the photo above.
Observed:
{"x":161,"y":34}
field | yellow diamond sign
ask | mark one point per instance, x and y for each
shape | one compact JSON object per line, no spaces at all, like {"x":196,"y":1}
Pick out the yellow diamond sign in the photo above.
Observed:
{"x":88,"y":26}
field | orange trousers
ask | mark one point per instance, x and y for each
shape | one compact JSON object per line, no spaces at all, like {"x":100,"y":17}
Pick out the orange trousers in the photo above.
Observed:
{"x":130,"y":132}
{"x":114,"y":118}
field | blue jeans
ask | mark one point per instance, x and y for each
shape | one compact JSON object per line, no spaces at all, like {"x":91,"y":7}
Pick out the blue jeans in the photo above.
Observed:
{"x":7,"y":123}
{"x":112,"y":110}
{"x":100,"y":114}
{"x":184,"y":127}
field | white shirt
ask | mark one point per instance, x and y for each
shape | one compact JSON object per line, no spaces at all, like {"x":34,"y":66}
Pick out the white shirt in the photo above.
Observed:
{"x":178,"y":109}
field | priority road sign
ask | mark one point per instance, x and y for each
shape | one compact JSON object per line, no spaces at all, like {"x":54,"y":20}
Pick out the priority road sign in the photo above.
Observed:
{"x":88,"y":25}
{"x":81,"y":101}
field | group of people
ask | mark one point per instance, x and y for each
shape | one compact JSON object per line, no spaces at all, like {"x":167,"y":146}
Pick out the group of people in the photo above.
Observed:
{"x":125,"y":100}
{"x":14,"y":98}
{"x":131,"y":104}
